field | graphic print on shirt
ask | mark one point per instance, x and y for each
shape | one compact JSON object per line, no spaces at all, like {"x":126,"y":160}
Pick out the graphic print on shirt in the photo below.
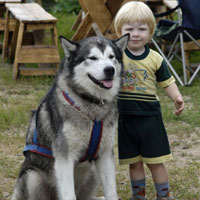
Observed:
{"x":133,"y":78}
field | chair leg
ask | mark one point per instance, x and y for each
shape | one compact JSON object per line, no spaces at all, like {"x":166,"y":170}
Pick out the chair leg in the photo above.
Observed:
{"x":18,"y":47}
{"x":168,"y":63}
{"x":193,"y":76}
{"x":198,"y":68}
{"x":183,"y":59}
{"x":187,"y":62}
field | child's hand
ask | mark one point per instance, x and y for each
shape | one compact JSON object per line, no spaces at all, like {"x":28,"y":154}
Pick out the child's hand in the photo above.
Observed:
{"x":179,"y":104}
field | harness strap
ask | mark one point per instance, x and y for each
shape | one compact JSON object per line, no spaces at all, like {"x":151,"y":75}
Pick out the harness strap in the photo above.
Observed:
{"x":39,"y":150}
{"x":95,"y":139}
{"x":70,"y":101}
{"x":36,"y":148}
{"x":91,"y":152}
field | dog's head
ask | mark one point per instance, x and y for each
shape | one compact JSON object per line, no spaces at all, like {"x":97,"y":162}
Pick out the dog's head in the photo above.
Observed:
{"x":94,"y":65}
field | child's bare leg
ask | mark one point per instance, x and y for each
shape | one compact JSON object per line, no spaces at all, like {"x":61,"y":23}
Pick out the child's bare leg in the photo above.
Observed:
{"x":159,"y":173}
{"x":160,"y":178}
{"x":137,"y":171}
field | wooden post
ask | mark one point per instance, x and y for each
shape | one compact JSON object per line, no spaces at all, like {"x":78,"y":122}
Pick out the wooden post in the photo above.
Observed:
{"x":6,"y":32}
{"x":14,"y":40}
{"x":100,"y":15}
{"x":85,"y":25}
{"x":18,"y":47}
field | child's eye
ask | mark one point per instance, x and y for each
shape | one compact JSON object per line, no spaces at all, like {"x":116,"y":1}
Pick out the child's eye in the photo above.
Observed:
{"x":128,"y":29}
{"x":143,"y":29}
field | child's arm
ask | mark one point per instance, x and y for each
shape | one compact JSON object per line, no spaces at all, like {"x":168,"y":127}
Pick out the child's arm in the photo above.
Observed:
{"x":173,"y":92}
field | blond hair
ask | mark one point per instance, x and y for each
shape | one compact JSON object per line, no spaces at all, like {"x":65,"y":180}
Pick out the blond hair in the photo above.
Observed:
{"x":134,"y":11}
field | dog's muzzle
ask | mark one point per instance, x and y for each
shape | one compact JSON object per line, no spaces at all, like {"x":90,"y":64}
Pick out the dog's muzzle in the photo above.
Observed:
{"x":106,"y":83}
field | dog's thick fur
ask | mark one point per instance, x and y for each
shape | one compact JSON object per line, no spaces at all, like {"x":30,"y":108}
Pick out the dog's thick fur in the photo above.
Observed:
{"x":91,"y":75}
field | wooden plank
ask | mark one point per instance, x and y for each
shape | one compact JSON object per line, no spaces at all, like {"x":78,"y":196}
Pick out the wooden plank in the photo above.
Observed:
{"x":30,"y":12}
{"x":37,"y":71}
{"x":39,"y":26}
{"x":113,"y":6}
{"x":78,"y":21}
{"x":90,"y":32}
{"x":6,"y":35}
{"x":82,"y":4}
{"x":19,"y":13}
{"x":18,"y":47}
{"x":190,"y":46}
{"x":54,"y":35}
{"x":11,"y":24}
{"x":100,"y":14}
{"x":39,"y":54}
{"x":14,"y":40}
{"x":38,"y":12}
{"x":85,"y":25}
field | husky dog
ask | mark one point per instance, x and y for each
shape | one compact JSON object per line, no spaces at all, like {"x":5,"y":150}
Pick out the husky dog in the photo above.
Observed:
{"x":69,"y":144}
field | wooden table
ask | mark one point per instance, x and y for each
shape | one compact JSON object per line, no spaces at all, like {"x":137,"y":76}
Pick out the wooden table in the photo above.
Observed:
{"x":99,"y":16}
{"x":30,"y":17}
{"x":2,"y":16}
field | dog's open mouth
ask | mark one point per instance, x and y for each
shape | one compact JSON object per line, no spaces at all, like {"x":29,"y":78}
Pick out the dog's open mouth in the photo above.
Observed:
{"x":107,"y":83}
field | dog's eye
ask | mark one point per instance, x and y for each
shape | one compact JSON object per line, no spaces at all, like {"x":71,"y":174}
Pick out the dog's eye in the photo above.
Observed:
{"x":93,"y":58}
{"x":111,"y":56}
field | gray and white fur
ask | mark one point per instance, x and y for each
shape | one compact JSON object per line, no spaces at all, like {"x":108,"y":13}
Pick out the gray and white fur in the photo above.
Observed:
{"x":91,"y":75}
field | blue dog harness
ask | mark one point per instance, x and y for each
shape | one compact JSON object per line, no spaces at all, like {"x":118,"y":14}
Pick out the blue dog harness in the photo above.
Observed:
{"x":36,"y":148}
{"x":91,"y":152}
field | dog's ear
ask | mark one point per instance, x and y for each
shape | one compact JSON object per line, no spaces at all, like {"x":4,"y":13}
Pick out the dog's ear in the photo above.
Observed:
{"x":122,"y":41}
{"x":68,"y":46}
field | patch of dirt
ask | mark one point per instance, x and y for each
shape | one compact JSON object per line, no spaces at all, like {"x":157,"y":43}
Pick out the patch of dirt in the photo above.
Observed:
{"x":186,"y":148}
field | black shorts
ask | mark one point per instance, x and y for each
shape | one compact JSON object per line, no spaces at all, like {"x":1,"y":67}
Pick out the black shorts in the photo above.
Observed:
{"x":142,"y":138}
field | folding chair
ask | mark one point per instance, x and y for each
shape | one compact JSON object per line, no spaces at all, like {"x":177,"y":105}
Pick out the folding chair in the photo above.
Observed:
{"x":186,"y":29}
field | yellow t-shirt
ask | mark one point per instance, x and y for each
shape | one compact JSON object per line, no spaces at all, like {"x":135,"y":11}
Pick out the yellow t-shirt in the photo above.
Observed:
{"x":142,"y":75}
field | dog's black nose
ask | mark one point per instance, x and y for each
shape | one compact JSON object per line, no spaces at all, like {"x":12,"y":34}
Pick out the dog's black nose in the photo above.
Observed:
{"x":109,"y":71}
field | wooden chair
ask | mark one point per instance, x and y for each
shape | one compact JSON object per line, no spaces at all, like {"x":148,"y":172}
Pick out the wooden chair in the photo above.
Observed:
{"x":30,"y":17}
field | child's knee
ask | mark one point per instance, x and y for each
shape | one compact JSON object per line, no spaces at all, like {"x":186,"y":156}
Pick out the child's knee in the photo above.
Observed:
{"x":136,"y":165}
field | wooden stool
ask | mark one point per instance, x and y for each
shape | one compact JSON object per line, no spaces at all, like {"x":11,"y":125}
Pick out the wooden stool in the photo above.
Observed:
{"x":31,"y":17}
{"x":2,"y":17}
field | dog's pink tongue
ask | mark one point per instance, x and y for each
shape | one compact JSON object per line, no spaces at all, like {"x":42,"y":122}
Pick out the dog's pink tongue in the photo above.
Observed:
{"x":107,"y":84}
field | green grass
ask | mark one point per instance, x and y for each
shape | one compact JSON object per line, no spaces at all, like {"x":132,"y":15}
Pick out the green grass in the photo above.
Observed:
{"x":18,"y":98}
{"x":64,"y":25}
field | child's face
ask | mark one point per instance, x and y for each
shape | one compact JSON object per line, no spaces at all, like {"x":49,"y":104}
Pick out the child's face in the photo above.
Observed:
{"x":139,"y":35}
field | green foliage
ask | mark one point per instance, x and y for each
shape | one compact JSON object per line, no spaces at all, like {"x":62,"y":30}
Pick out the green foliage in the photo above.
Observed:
{"x":69,"y":6}
{"x":64,"y":25}
{"x":48,"y":4}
